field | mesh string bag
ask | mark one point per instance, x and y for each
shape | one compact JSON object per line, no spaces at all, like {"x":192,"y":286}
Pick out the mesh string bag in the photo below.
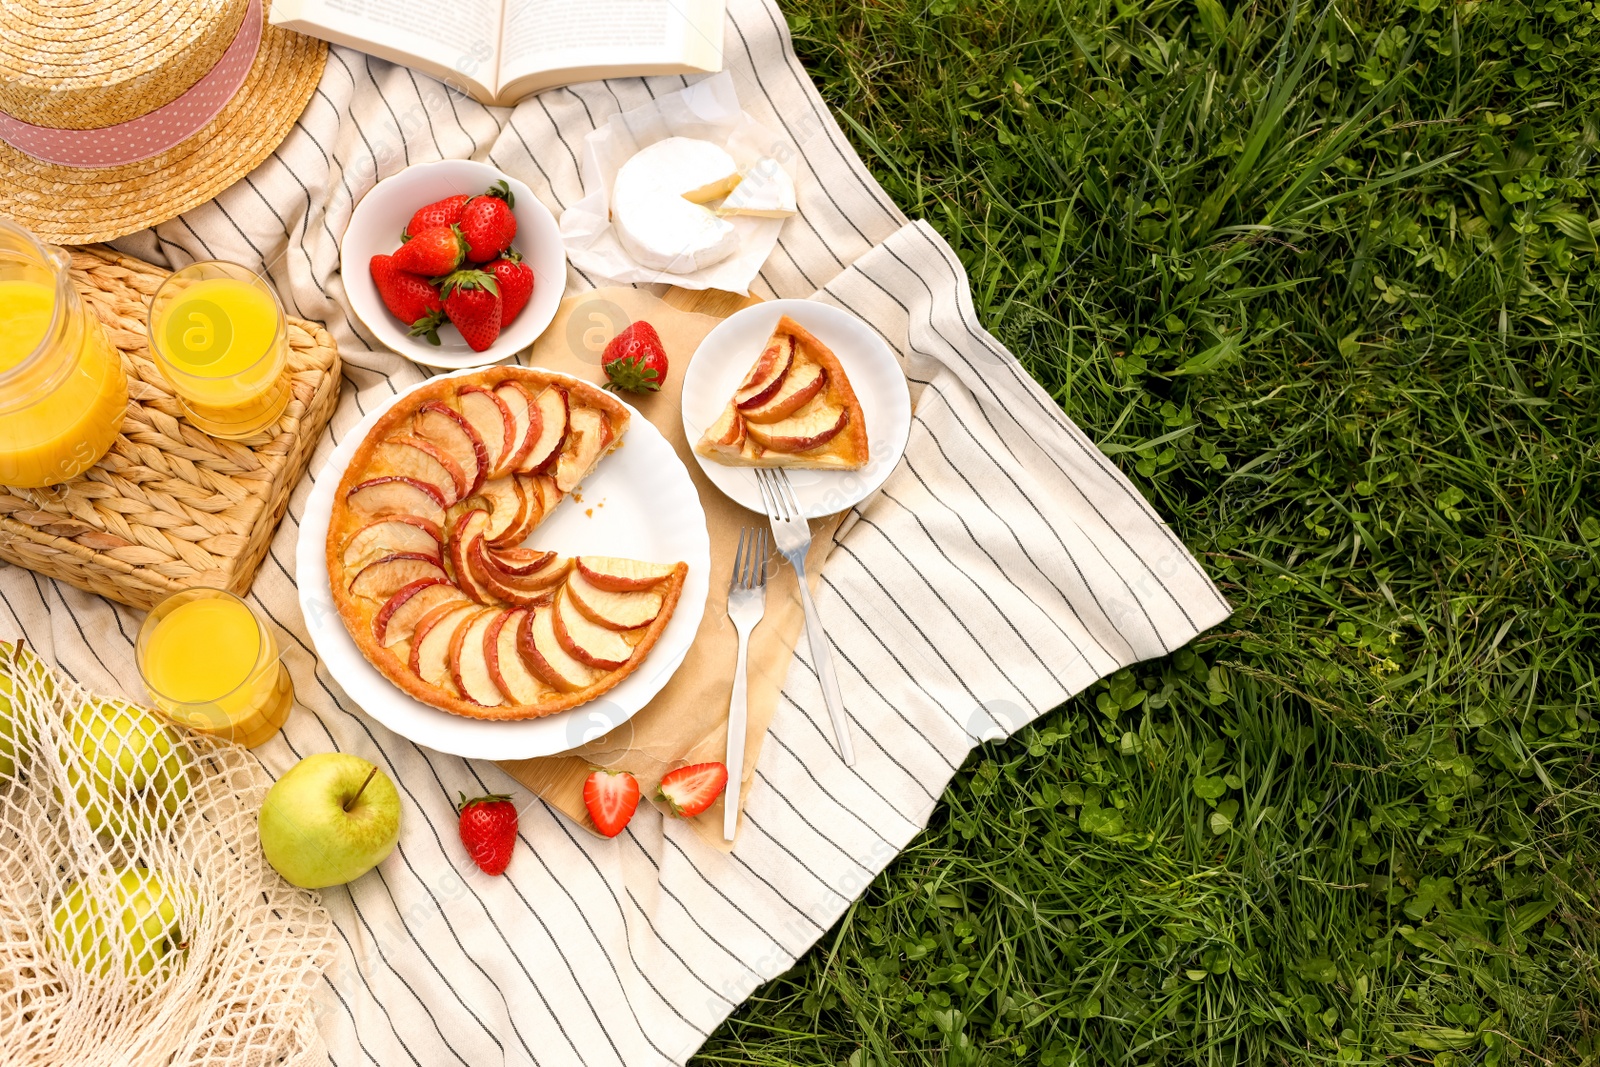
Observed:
{"x":139,"y":923}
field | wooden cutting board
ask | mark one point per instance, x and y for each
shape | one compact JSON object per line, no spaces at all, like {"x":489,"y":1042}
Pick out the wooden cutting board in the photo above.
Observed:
{"x":687,"y":720}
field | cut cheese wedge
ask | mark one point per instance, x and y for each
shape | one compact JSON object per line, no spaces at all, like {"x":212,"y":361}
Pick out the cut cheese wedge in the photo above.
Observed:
{"x":656,"y":204}
{"x":805,"y":417}
{"x":766,"y":192}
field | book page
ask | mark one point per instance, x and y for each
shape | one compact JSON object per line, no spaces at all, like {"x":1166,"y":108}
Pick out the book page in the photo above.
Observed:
{"x":549,"y":35}
{"x":461,"y":50}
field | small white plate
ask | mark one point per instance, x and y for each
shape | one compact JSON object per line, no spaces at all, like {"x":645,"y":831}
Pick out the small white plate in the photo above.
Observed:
{"x":639,"y":502}
{"x":375,"y":228}
{"x":725,"y":357}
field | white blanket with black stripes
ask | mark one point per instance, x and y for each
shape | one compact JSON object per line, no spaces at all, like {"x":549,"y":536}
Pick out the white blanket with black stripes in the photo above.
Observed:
{"x":1005,"y":566}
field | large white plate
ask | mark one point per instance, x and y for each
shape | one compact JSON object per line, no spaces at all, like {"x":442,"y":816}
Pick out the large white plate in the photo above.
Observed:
{"x":639,"y":502}
{"x":724,"y":358}
{"x":375,"y":227}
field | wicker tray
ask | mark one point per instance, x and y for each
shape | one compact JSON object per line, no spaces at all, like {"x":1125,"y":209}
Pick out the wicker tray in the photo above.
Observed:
{"x":168,"y":507}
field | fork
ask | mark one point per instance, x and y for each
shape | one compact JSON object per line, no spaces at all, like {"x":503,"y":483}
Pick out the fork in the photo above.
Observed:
{"x":792,"y":533}
{"x":747,"y":602}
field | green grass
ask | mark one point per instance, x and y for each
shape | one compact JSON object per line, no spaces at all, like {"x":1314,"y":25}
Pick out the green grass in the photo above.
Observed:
{"x":1322,"y":280}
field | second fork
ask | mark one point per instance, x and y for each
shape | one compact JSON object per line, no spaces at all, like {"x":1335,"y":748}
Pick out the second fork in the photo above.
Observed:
{"x":792,"y":533}
{"x":747,"y":602}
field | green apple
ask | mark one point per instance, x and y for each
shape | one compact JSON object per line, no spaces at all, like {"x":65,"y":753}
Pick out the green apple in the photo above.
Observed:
{"x":332,"y":818}
{"x":125,"y":771}
{"x":16,"y":661}
{"x":146,"y":910}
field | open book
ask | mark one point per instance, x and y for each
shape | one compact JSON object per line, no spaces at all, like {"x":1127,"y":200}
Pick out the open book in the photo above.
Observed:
{"x":499,"y":51}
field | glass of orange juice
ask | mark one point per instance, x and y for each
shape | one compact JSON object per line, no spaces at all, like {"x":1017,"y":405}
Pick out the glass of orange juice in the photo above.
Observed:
{"x":220,"y":339}
{"x":211,"y":664}
{"x":63,"y":391}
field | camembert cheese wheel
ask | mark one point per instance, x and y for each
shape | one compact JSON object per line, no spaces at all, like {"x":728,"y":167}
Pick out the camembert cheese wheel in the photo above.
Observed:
{"x":657,"y":205}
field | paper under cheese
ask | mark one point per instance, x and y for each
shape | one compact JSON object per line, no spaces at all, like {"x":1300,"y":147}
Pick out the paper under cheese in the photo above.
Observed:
{"x":656,"y":205}
{"x":766,"y":191}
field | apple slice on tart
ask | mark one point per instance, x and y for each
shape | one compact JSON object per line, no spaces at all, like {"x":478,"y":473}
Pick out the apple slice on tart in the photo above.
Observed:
{"x":511,"y":673}
{"x":425,"y":555}
{"x":396,"y":534}
{"x":396,"y":621}
{"x":795,"y":408}
{"x":508,"y":504}
{"x":491,"y":419}
{"x":469,"y":661}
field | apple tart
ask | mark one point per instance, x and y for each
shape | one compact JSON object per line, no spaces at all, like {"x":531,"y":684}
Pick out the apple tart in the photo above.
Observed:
{"x":794,"y":409}
{"x":427,"y":565}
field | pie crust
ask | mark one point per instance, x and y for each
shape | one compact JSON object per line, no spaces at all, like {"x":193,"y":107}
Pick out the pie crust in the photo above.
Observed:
{"x":794,"y":409}
{"x":431,"y":512}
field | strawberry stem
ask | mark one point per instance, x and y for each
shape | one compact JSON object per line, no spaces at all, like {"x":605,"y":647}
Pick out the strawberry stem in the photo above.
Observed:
{"x":633,"y":375}
{"x":501,"y":191}
{"x":470,"y":278}
{"x":428,"y":326}
{"x":489,"y":798}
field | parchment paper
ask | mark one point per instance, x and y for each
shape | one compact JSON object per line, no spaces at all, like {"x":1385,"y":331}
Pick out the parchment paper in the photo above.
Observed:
{"x":708,"y":110}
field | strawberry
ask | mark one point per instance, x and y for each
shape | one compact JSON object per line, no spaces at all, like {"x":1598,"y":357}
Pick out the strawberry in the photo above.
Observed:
{"x":488,"y":224}
{"x":435,"y":251}
{"x":690,"y":790}
{"x":611,"y":797}
{"x":635,"y":360}
{"x":410,"y":298}
{"x":446,"y":212}
{"x":489,"y":830}
{"x":472,"y":300}
{"x":516,"y":284}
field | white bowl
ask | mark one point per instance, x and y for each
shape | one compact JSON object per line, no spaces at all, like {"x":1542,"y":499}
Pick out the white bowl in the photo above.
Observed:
{"x":375,"y":228}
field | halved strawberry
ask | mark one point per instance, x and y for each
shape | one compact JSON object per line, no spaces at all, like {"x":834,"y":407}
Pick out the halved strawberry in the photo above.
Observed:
{"x":690,"y":790}
{"x":611,"y":797}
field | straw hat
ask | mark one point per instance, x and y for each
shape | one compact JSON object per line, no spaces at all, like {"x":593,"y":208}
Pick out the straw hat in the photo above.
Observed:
{"x":119,"y":114}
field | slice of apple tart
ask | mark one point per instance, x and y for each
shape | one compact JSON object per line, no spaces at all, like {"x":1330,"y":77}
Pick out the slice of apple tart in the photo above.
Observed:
{"x":794,"y":409}
{"x":425,"y":553}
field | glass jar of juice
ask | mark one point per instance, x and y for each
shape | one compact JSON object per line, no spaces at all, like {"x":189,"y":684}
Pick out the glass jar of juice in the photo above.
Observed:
{"x":212,"y":665}
{"x":63,"y":391}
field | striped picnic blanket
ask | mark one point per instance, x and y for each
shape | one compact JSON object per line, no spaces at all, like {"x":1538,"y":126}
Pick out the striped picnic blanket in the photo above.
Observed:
{"x":1005,"y":566}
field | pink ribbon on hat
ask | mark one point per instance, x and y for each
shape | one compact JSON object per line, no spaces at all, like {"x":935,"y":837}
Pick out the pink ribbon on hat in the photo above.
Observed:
{"x":152,"y":133}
